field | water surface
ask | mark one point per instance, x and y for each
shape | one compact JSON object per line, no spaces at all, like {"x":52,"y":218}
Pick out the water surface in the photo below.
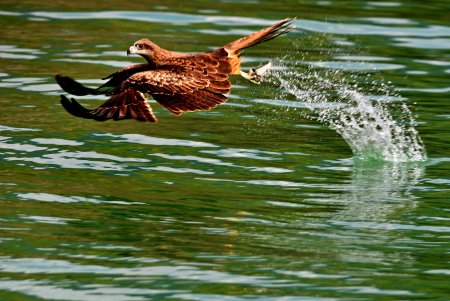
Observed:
{"x":329,"y":181}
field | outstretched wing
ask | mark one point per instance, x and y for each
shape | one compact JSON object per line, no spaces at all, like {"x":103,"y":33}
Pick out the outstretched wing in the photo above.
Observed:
{"x":190,"y":83}
{"x":129,"y":104}
{"x":182,"y":84}
{"x":201,"y":100}
{"x":75,"y":88}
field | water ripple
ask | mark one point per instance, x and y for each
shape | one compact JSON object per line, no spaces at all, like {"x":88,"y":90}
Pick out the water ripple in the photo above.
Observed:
{"x":244,"y":153}
{"x":360,"y":29}
{"x":149,"y":140}
{"x":179,"y":170}
{"x":188,"y":272}
{"x":21,"y":147}
{"x":425,"y":43}
{"x":4,"y":128}
{"x":47,"y":219}
{"x":55,"y":141}
{"x":355,"y":66}
{"x":389,"y":21}
{"x":391,"y":226}
{"x":15,"y":52}
{"x":184,"y":19}
{"x":99,"y":292}
{"x":67,"y":159}
{"x":218,"y":162}
{"x":54,"y":198}
{"x":246,"y":297}
{"x":112,"y":63}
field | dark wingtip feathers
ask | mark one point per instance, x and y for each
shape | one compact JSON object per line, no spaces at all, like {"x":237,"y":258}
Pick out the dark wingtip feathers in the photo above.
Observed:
{"x":73,"y":87}
{"x":118,"y":107}
{"x":74,"y":108}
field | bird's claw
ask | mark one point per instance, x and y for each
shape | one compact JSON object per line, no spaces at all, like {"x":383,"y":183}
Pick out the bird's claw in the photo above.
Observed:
{"x":256,"y":75}
{"x":252,"y":76}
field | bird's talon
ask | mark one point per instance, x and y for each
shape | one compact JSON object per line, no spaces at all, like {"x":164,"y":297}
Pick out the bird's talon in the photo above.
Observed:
{"x":256,"y":75}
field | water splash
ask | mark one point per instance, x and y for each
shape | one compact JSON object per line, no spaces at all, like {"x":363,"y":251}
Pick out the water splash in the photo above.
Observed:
{"x":365,"y":112}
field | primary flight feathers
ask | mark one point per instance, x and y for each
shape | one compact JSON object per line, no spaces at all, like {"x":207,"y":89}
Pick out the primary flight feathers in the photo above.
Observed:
{"x":179,"y":82}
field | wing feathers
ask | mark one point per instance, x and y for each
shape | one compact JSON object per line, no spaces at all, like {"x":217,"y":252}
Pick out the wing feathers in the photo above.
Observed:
{"x":221,"y":87}
{"x":73,"y":87}
{"x":130,"y":104}
{"x":260,"y":36}
{"x":199,"y":100}
{"x":74,"y":108}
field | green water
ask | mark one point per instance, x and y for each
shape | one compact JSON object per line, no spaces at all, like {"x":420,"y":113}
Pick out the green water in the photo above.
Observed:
{"x":263,"y":198}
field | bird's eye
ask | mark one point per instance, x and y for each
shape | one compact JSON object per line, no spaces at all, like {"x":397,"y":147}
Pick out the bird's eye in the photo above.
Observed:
{"x":140,"y":46}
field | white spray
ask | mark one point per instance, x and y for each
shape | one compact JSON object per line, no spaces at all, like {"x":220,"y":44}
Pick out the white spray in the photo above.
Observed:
{"x":367,"y":125}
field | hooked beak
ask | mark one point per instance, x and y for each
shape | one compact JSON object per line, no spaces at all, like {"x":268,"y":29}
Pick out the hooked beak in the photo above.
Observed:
{"x":132,"y":50}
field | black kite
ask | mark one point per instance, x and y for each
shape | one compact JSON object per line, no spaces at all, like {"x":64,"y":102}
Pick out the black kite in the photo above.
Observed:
{"x":179,"y":82}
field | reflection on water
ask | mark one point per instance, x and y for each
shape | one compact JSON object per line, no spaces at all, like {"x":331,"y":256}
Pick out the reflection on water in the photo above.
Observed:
{"x":378,"y":190}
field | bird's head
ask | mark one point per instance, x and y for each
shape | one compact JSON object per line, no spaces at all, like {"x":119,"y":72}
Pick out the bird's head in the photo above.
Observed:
{"x":144,"y":48}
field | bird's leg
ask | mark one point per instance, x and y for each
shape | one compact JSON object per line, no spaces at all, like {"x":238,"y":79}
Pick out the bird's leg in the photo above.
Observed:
{"x":256,"y":75}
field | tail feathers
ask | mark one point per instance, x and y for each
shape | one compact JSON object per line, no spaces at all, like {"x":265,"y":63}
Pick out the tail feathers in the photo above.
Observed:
{"x":260,"y":36}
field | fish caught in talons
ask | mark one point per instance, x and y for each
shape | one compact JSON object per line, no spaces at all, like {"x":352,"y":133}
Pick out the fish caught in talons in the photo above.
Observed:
{"x":256,"y":75}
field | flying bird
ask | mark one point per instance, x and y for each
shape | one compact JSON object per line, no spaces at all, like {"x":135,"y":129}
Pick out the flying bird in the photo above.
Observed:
{"x":179,"y":82}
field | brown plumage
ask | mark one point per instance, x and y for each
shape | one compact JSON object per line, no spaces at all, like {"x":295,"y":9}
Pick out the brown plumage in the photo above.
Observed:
{"x":179,"y":82}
